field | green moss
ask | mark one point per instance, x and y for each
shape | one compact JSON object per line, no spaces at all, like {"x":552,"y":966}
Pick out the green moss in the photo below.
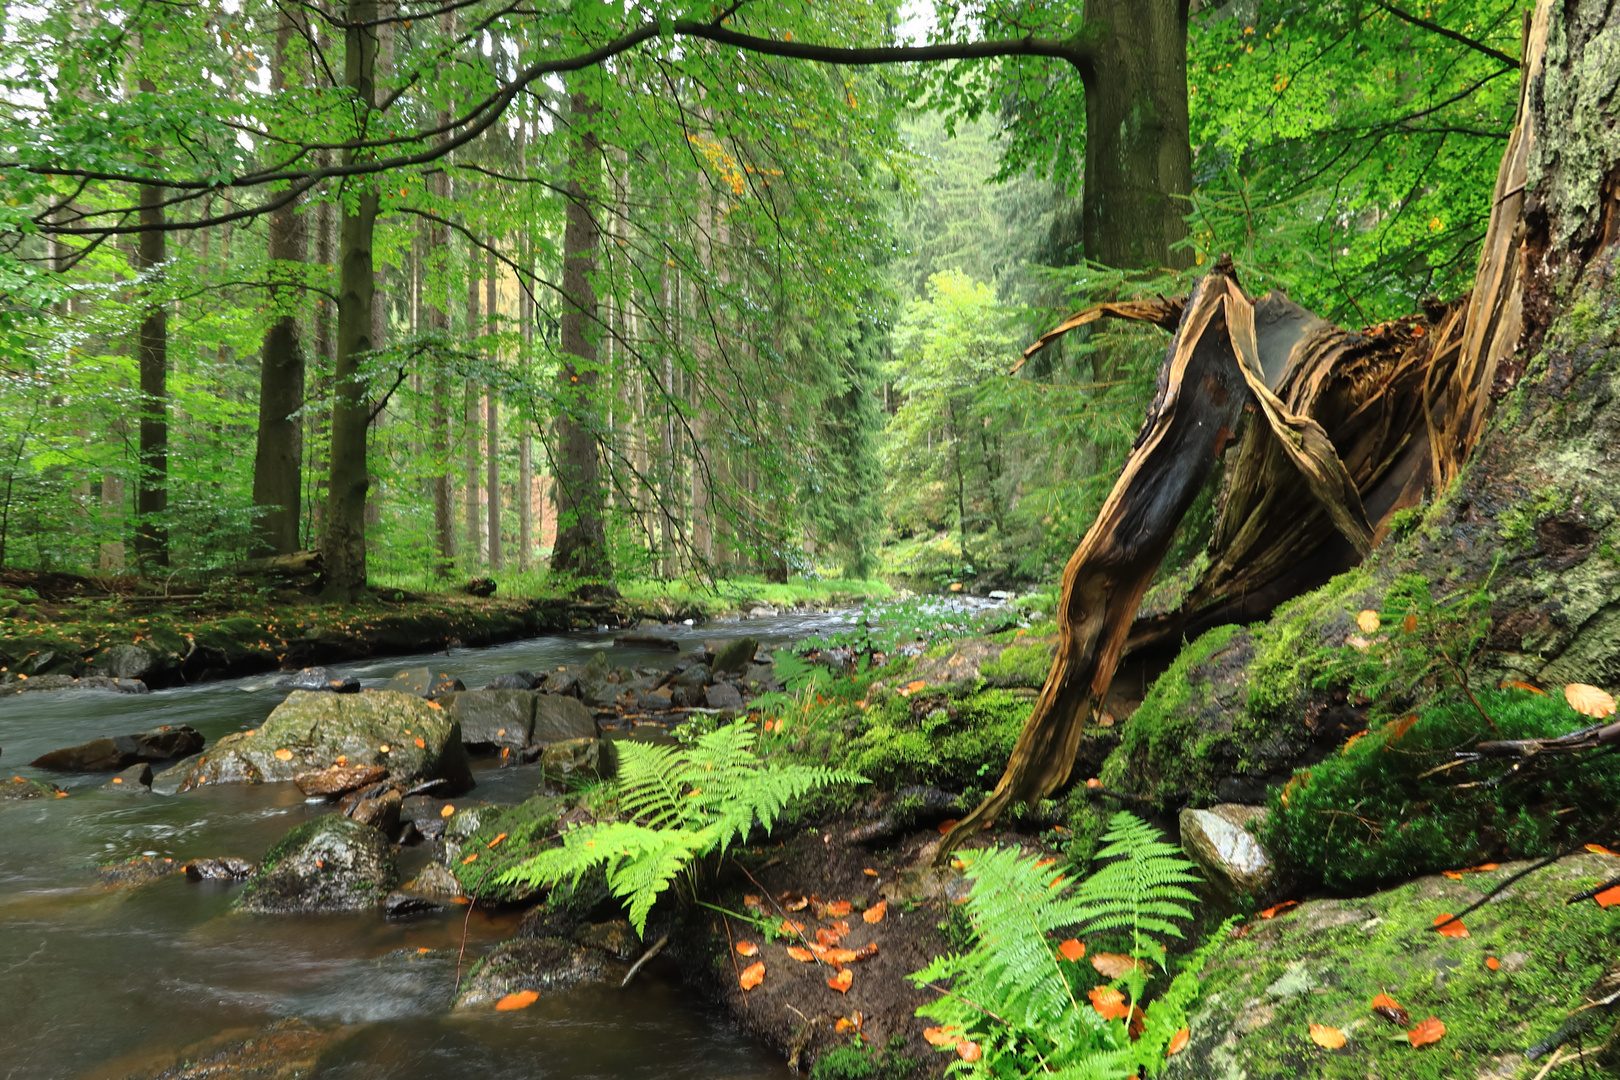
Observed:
{"x":1023,"y":663}
{"x":859,"y":1061}
{"x":1517,"y":522}
{"x":526,"y":828}
{"x":936,"y":739}
{"x":1368,"y":815}
{"x":1289,"y":656}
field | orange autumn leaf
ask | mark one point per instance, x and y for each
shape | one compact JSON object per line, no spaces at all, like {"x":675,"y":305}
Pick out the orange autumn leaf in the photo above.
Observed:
{"x":469,"y":858}
{"x":1351,"y":741}
{"x":1368,"y":621}
{"x":1400,"y":727}
{"x":946,"y":826}
{"x":1391,"y":1010}
{"x":1277,"y":909}
{"x":1328,"y":1038}
{"x":869,"y":872}
{"x":1589,"y":700}
{"x":752,"y":975}
{"x":840,"y":956}
{"x":942,"y":1036}
{"x":753,"y":903}
{"x":1093,"y":783}
{"x":1178,"y":1042}
{"x":1515,"y":684}
{"x":522,"y":999}
{"x":747,"y":948}
{"x":1449,"y":926}
{"x":1492,"y":962}
{"x":1430,"y":1031}
{"x":498,"y":838}
{"x":912,"y":687}
{"x":1454,"y":875}
{"x":803,"y":955}
{"x":421,"y":743}
{"x":849,"y":1023}
{"x":968,"y":1051}
{"x":842,"y":981}
{"x":875,"y":913}
{"x":1072,"y":950}
{"x":1608,"y":897}
{"x":283,"y":755}
{"x":1599,"y":849}
{"x":838,"y":908}
{"x":790,"y":927}
{"x":1409,"y":624}
{"x":1114,"y":965}
{"x":446,"y":810}
{"x":1109,"y":1003}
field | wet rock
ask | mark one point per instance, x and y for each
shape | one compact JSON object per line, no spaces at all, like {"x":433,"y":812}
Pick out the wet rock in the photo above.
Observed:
{"x":595,"y":688}
{"x":226,"y":869}
{"x":434,"y":880}
{"x":563,"y":684}
{"x":124,"y":662}
{"x":379,"y":809}
{"x":647,"y":641}
{"x":961,"y":664}
{"x":68,"y":682}
{"x":400,"y":905}
{"x":910,"y":806}
{"x":614,"y":937}
{"x":18,"y":788}
{"x":339,"y":779}
{"x":723,"y":696}
{"x":1320,"y":963}
{"x":735,"y":656}
{"x":695,"y":677}
{"x":410,"y":737}
{"x":652,"y":701}
{"x":545,"y":965}
{"x":762,"y":674}
{"x":135,"y":780}
{"x":132,"y":872}
{"x":329,"y":864}
{"x":491,"y":719}
{"x":1219,"y":841}
{"x":517,"y":680}
{"x":110,"y":755}
{"x":425,"y":682}
{"x":558,"y":719}
{"x":317,"y":679}
{"x":286,"y":1050}
{"x":578,"y":758}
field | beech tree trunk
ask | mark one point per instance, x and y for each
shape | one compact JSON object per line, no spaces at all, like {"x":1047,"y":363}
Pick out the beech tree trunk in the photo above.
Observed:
{"x":492,"y":420}
{"x":343,"y":545}
{"x":152,"y":485}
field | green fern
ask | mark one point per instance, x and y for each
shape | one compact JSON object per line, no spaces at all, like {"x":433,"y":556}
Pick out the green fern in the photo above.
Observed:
{"x":1024,"y":1004}
{"x":676,"y":805}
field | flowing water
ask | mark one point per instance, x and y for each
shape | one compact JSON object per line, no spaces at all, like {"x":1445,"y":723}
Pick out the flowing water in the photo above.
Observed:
{"x":99,"y":982}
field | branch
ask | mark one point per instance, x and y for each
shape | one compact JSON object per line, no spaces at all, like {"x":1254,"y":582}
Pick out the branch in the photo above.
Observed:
{"x":1436,"y":28}
{"x":1074,"y":50}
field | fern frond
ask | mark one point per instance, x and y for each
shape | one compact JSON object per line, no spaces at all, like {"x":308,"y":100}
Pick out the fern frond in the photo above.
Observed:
{"x":1143,"y":890}
{"x":651,"y":781}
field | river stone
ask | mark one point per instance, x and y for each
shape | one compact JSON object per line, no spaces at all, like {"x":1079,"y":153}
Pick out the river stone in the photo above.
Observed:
{"x":695,"y":677}
{"x":286,"y":1050}
{"x":380,"y":810}
{"x":545,"y":965}
{"x":401,"y":905}
{"x":1321,"y":963}
{"x":517,"y":680}
{"x":493,"y":718}
{"x":124,"y":662}
{"x":594,"y":687}
{"x":319,"y":679}
{"x":311,"y":731}
{"x":328,"y":864}
{"x":135,"y":780}
{"x":558,"y":719}
{"x":18,"y":788}
{"x":225,"y":869}
{"x":425,"y":682}
{"x":138,"y":871}
{"x":1219,"y":841}
{"x":68,"y":682}
{"x":434,"y":880}
{"x":120,"y":752}
{"x":723,"y":696}
{"x":339,"y":779}
{"x":561,"y":683}
{"x":562,"y":761}
{"x":736,"y":656}
{"x":615,"y":937}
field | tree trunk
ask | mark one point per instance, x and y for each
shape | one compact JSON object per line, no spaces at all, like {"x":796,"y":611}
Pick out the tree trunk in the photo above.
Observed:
{"x":152,"y":488}
{"x":279,"y":452}
{"x":492,"y":419}
{"x":581,"y":541}
{"x":343,"y":546}
{"x":471,"y":512}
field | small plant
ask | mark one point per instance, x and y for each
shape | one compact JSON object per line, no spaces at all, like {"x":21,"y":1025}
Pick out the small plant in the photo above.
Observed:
{"x":1023,"y":1002}
{"x":677,"y":805}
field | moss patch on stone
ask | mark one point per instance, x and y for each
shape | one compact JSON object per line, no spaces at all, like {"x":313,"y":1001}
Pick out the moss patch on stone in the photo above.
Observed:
{"x":1024,"y":663}
{"x":502,"y":837}
{"x":934,"y":738}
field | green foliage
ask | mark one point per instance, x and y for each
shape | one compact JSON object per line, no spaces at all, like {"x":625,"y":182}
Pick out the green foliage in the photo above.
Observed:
{"x":931,"y":738}
{"x":1369,"y":815}
{"x":676,"y":806}
{"x":860,"y":1061}
{"x":1022,"y":1002}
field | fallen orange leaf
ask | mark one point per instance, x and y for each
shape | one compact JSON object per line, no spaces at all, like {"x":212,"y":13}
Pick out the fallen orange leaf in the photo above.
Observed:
{"x":1044,"y":862}
{"x":840,"y":956}
{"x":498,"y":838}
{"x":1400,"y":727}
{"x":1515,"y":684}
{"x":849,"y":1023}
{"x":1599,"y":849}
{"x":1606,"y":899}
{"x":838,"y":908}
{"x":875,"y":913}
{"x":1368,"y":621}
{"x":946,"y":826}
{"x":913,"y":686}
{"x":1329,"y":1038}
{"x":1492,"y":962}
{"x":383,"y":749}
{"x":435,"y":705}
{"x":1449,"y":926}
{"x":869,"y":872}
{"x":1114,"y":965}
{"x":942,"y":1036}
{"x":446,"y":810}
{"x":803,"y":955}
{"x":469,"y":858}
{"x":1109,"y":1003}
{"x":790,"y":927}
{"x":752,"y":975}
{"x":421,"y":743}
{"x":842,"y":981}
{"x":1409,"y":624}
{"x":1178,"y":1042}
{"x":1094,"y":783}
{"x":283,"y":755}
{"x":1589,"y":700}
{"x":1391,"y":1010}
{"x":522,"y":999}
{"x":1454,"y":875}
{"x":1278,"y":909}
{"x":794,"y":901}
{"x":1072,"y":950}
{"x":1430,"y":1031}
{"x":968,"y":1051}
{"x":747,"y":948}
{"x":755,"y":903}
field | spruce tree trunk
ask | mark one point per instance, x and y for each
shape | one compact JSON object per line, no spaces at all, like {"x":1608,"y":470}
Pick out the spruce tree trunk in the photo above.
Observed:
{"x":581,"y":541}
{"x":471,"y":512}
{"x":344,"y":542}
{"x":492,"y":421}
{"x":152,"y":487}
{"x":279,"y":451}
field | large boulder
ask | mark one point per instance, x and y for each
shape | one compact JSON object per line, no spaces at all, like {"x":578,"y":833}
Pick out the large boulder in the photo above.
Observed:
{"x":124,"y":662}
{"x":493,"y":719}
{"x":414,"y":739}
{"x":547,"y":965}
{"x":122,"y":751}
{"x":329,"y":864}
{"x":723,"y":696}
{"x":558,"y":719}
{"x":1323,"y":963}
{"x":735,"y":656}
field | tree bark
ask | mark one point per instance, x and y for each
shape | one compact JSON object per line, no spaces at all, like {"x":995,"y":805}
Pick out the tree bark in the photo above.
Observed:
{"x":471,"y":512}
{"x":279,"y":451}
{"x":492,"y":419}
{"x":343,"y":546}
{"x":152,"y":486}
{"x":581,"y":540}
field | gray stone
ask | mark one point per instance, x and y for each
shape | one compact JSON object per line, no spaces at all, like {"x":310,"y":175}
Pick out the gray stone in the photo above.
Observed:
{"x":558,"y":719}
{"x":135,"y":780}
{"x":124,"y":662}
{"x":425,"y":682}
{"x":405,"y":906}
{"x":435,"y":880}
{"x":736,"y":656}
{"x":547,"y":965}
{"x":695,"y":677}
{"x":578,"y":758}
{"x":493,"y":718}
{"x":120,"y":752}
{"x":19,"y":788}
{"x":1219,"y":841}
{"x":723,"y":696}
{"x":563,"y":683}
{"x":319,"y":679}
{"x":594,"y":686}
{"x":961,"y":664}
{"x":379,"y":809}
{"x":225,"y":868}
{"x":328,"y":864}
{"x":413,"y":739}
{"x":68,"y":682}
{"x":136,"y":872}
{"x":517,"y":680}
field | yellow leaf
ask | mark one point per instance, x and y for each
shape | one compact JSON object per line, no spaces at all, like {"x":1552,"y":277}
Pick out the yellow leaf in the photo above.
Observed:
{"x":1589,"y":700}
{"x":1368,"y":621}
{"x":1329,"y":1038}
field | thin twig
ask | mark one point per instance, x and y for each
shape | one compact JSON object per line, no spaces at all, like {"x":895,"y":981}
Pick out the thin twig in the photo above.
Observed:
{"x":786,"y":920}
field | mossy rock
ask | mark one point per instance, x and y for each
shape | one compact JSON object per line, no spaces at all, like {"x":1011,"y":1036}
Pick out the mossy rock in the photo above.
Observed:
{"x":1024,"y":662}
{"x":545,"y":965}
{"x":329,"y":864}
{"x":410,"y":737}
{"x":481,"y":843}
{"x":1323,"y":963}
{"x":935,"y":738}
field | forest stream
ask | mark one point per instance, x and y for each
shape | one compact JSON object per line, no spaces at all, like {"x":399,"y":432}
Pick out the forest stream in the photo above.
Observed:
{"x":100,"y":981}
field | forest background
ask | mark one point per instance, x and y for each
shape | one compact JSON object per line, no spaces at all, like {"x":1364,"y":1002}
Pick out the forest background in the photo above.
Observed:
{"x":637,"y":304}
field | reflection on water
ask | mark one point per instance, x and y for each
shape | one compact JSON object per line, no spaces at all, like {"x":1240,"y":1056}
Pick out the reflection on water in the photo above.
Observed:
{"x":98,"y":982}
